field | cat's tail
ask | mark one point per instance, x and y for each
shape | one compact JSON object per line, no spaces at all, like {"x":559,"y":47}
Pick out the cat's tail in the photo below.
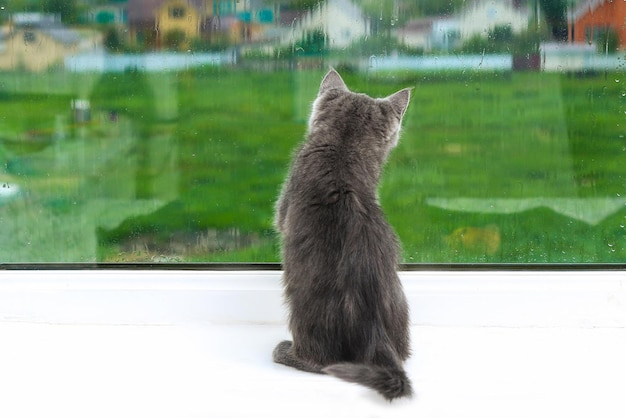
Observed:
{"x":390,"y":382}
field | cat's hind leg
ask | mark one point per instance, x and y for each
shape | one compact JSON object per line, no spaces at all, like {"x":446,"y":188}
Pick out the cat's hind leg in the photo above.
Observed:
{"x":284,"y":354}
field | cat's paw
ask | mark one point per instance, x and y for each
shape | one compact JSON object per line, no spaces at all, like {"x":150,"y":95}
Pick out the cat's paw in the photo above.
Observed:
{"x":281,"y":352}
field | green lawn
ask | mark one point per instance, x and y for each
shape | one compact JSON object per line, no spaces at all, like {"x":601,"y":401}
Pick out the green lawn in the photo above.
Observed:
{"x":538,"y":160}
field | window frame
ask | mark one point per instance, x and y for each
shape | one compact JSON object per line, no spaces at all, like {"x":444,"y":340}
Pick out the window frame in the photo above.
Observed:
{"x":272,"y":266}
{"x":459,"y":296}
{"x":178,"y":12}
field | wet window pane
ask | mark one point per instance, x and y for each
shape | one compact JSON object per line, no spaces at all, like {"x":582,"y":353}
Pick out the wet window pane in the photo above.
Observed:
{"x":163,"y":132}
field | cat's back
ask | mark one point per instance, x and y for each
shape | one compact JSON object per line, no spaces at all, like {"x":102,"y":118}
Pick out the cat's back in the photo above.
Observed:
{"x":335,"y":216}
{"x":340,"y":159}
{"x":329,"y":209}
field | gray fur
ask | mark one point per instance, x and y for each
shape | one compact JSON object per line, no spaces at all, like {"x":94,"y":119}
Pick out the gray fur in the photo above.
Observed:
{"x":348,"y":313}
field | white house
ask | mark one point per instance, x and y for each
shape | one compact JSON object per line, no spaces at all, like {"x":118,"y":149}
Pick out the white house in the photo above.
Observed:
{"x":341,"y":21}
{"x":480,"y":16}
{"x":440,"y":33}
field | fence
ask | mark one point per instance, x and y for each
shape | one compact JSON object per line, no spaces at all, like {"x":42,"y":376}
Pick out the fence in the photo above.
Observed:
{"x":552,"y":58}
{"x":150,"y":62}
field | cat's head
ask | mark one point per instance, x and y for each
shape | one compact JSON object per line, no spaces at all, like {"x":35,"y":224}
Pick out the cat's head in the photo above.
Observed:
{"x":356,"y":117}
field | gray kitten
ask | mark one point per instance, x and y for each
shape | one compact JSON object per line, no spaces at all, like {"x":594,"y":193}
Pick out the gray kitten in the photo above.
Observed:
{"x":348,"y":313}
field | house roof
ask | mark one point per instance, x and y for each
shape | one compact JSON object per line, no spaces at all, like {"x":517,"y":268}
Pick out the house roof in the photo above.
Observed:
{"x":64,"y":36}
{"x":427,"y":24}
{"x":419,"y":25}
{"x":46,"y":24}
{"x":35,"y":19}
{"x":518,"y":5}
{"x":585,"y":7}
{"x":143,"y":11}
{"x":288,"y":17}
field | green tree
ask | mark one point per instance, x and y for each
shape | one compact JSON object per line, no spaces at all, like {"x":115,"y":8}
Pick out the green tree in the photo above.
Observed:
{"x":16,"y":6}
{"x":554,"y":12}
{"x":174,"y":39}
{"x":383,"y":14}
{"x":607,"y":41}
{"x":301,"y":4}
{"x":68,"y":9}
{"x":437,"y":7}
{"x":112,"y":40}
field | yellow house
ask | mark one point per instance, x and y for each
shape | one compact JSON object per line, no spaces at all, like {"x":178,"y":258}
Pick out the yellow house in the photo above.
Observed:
{"x":154,"y":23}
{"x":173,"y":23}
{"x":37,"y":49}
{"x":177,"y":16}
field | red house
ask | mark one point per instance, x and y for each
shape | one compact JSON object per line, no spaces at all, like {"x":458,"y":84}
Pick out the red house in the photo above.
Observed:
{"x":592,"y":19}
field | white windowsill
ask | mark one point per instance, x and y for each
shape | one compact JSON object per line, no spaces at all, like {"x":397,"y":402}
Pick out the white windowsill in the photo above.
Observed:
{"x":198,"y":344}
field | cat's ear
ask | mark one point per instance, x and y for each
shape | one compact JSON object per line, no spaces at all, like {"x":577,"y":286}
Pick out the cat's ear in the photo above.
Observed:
{"x":332,"y":80}
{"x":400,"y":101}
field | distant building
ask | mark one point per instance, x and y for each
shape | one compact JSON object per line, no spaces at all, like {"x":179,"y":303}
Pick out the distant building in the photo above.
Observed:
{"x":37,"y":41}
{"x":35,"y":19}
{"x":150,"y":21}
{"x":239,"y":21}
{"x":481,"y":16}
{"x":592,"y":18}
{"x":427,"y":34}
{"x":340,"y":21}
{"x":477,"y":18}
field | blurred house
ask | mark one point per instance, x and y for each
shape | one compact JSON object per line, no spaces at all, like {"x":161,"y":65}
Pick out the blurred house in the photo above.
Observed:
{"x":37,"y":41}
{"x":477,"y":18}
{"x":340,"y":21}
{"x":151,"y":22}
{"x":236,"y":22}
{"x":591,"y":20}
{"x":428,"y":34}
{"x":481,"y":16}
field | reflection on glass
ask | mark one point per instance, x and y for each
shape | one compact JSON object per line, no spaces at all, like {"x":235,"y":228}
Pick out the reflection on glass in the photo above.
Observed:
{"x":161,"y":130}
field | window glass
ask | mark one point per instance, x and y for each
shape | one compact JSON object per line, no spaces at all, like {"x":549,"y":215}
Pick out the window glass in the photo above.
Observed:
{"x":177,"y":12}
{"x":163,"y":132}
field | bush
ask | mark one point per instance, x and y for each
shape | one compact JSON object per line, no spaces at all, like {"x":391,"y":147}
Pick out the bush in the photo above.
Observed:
{"x":112,"y":40}
{"x":380,"y":44}
{"x":174,"y":39}
{"x":501,"y":39}
{"x":607,"y":41}
{"x":217,"y":43}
